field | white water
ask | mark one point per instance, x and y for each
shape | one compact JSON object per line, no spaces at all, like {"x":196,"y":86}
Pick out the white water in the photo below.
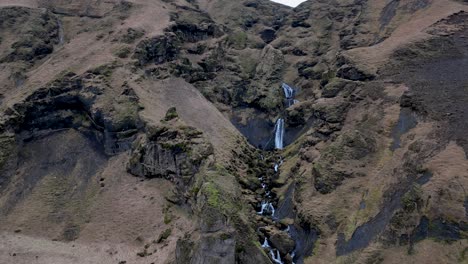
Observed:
{"x":276,"y":167}
{"x":265,"y":244}
{"x":279,"y":133}
{"x":288,"y":91}
{"x":277,"y":258}
{"x":267,"y":208}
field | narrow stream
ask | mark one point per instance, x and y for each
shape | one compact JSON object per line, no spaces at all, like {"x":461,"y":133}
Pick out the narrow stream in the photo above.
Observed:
{"x":61,"y":33}
{"x":267,"y":206}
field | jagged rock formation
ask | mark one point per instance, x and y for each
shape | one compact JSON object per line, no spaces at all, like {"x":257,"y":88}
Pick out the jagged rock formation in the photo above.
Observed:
{"x":118,"y":131}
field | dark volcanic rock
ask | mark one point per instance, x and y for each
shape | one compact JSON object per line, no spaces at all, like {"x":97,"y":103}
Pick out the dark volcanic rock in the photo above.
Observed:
{"x":336,"y":85}
{"x":172,"y":151}
{"x":195,"y":32}
{"x":268,"y":35}
{"x":157,"y":50}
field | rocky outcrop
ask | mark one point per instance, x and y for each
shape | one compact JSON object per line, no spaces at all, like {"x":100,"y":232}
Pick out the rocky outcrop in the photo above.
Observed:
{"x":353,"y":73}
{"x":192,"y":25}
{"x":352,"y":146}
{"x":157,"y":50}
{"x":78,"y":102}
{"x":38,"y":32}
{"x":337,"y":85}
{"x":172,"y":151}
{"x":280,"y":240}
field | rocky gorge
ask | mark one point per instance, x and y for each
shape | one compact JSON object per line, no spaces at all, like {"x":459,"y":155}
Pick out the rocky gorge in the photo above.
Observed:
{"x":215,"y":131}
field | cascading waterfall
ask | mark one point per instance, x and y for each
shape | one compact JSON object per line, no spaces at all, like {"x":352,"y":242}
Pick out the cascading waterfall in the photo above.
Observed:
{"x":276,"y":258}
{"x":288,"y":91}
{"x":266,"y":207}
{"x":279,"y":133}
{"x":265,"y":243}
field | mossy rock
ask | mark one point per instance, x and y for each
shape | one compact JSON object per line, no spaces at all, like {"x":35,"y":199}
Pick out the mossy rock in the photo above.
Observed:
{"x":337,"y":85}
{"x":122,"y":52}
{"x":238,"y":40}
{"x":164,"y":235}
{"x":171,"y":114}
{"x":412,"y":200}
{"x":7,"y":145}
{"x":157,"y":50}
{"x":132,"y":35}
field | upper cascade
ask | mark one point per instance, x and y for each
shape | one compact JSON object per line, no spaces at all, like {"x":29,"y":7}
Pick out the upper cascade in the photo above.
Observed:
{"x":288,"y":91}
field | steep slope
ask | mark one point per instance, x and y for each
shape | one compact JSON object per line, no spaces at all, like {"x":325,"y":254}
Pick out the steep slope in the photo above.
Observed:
{"x":153,"y":131}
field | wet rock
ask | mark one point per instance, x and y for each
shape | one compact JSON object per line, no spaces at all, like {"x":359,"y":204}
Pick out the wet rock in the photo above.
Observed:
{"x":439,"y":228}
{"x":279,"y":239}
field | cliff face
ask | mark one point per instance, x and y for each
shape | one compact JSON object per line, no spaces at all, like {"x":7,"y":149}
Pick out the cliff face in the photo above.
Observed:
{"x":214,"y":131}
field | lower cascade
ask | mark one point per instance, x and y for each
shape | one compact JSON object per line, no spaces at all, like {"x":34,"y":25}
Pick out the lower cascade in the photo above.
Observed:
{"x":276,"y":258}
{"x":279,"y":133}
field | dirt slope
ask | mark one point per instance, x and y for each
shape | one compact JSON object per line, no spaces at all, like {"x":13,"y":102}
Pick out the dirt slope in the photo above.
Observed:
{"x":143,"y":131}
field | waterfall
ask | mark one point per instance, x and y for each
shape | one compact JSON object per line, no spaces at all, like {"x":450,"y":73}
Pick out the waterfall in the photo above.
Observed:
{"x":288,"y":91}
{"x":60,"y":32}
{"x":276,"y":167}
{"x":265,"y":243}
{"x":289,"y":94}
{"x":267,"y":208}
{"x":276,"y":258}
{"x":279,"y":133}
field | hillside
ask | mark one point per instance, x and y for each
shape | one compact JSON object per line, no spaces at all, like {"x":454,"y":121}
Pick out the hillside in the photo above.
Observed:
{"x":216,"y":131}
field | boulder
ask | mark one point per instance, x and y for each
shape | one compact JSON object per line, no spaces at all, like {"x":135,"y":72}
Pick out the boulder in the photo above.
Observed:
{"x":353,"y":73}
{"x":279,"y":240}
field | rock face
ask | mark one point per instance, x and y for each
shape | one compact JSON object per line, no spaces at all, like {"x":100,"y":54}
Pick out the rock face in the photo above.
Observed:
{"x":171,"y":151}
{"x":375,"y":146}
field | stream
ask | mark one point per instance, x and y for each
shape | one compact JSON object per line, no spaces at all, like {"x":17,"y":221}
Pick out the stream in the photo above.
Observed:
{"x":304,"y":238}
